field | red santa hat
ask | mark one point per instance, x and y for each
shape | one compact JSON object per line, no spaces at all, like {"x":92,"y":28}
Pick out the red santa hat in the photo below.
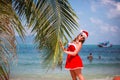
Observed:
{"x":84,"y":33}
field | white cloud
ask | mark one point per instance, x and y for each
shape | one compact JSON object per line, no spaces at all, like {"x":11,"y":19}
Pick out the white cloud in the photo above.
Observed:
{"x":96,"y":21}
{"x":109,"y":28}
{"x":95,"y":6}
{"x":112,"y":7}
{"x":105,"y":27}
{"x":113,"y":13}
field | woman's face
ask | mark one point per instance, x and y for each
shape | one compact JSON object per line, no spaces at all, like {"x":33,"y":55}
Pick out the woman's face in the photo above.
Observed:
{"x":81,"y":37}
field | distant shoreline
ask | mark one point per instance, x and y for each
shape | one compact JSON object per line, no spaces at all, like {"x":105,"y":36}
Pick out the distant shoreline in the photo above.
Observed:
{"x":30,"y":39}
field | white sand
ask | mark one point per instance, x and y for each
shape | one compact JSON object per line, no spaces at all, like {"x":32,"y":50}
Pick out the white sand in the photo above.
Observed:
{"x":56,"y":77}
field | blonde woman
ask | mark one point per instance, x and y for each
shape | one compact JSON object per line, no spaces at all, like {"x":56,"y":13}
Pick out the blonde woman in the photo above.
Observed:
{"x":74,"y":62}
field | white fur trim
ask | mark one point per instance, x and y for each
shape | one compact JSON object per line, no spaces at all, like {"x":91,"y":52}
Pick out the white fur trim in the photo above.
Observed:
{"x":84,"y":35}
{"x":72,"y":44}
{"x":74,"y":68}
{"x":81,"y":30}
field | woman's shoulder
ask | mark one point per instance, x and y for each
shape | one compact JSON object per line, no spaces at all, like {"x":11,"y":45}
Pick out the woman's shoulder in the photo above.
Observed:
{"x":72,"y":44}
{"x":75,"y":44}
{"x":71,"y":47}
{"x":78,"y":45}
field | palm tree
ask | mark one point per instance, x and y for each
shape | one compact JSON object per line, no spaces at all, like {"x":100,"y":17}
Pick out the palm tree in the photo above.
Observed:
{"x":50,"y":20}
{"x":9,"y":22}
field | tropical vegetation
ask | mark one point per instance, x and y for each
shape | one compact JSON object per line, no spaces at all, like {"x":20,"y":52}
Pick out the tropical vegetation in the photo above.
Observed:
{"x":50,"y":21}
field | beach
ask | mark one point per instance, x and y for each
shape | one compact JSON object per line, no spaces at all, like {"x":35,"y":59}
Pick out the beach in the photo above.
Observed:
{"x":54,"y":78}
{"x":28,"y":66}
{"x":61,"y":76}
{"x":106,"y":72}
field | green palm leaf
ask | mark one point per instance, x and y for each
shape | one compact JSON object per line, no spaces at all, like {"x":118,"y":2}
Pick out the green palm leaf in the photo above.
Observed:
{"x":9,"y":22}
{"x":51,"y":21}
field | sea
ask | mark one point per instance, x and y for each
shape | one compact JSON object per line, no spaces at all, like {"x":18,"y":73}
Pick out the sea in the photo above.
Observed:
{"x":105,"y":64}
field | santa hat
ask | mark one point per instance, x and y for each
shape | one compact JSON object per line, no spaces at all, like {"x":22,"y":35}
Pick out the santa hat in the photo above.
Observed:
{"x":84,"y":33}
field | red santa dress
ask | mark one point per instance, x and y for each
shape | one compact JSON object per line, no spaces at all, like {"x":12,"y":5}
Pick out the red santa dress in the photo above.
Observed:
{"x":73,"y":62}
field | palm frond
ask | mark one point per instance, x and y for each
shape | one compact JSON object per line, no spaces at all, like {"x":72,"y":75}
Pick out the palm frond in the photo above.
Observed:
{"x":9,"y":22}
{"x":6,"y":56}
{"x":50,"y":20}
{"x":8,"y":17}
{"x":53,"y":20}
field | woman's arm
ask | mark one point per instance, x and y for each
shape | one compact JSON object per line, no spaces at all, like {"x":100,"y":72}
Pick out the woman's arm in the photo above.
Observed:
{"x":76,"y":51}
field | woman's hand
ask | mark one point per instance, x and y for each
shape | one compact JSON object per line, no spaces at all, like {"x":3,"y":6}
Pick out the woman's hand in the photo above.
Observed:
{"x":61,"y":45}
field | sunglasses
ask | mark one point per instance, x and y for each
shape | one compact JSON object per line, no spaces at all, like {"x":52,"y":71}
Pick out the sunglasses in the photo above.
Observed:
{"x":82,"y":36}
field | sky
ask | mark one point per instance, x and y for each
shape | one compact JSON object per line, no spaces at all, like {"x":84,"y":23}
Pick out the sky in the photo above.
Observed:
{"x":101,"y":18}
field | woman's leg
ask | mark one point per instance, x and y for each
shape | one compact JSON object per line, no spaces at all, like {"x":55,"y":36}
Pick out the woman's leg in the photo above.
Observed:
{"x":73,"y":75}
{"x":78,"y":73}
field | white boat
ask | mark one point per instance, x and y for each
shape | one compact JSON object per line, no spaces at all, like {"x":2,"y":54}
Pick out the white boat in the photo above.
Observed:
{"x":105,"y":44}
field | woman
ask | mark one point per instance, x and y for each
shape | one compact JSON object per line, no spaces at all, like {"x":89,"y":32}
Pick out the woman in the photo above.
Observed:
{"x":74,"y":62}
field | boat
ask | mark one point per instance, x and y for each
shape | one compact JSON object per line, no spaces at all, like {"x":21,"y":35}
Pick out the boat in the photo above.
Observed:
{"x":105,"y":44}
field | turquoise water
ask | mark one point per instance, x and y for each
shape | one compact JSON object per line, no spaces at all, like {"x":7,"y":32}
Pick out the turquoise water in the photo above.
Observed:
{"x":109,"y":64}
